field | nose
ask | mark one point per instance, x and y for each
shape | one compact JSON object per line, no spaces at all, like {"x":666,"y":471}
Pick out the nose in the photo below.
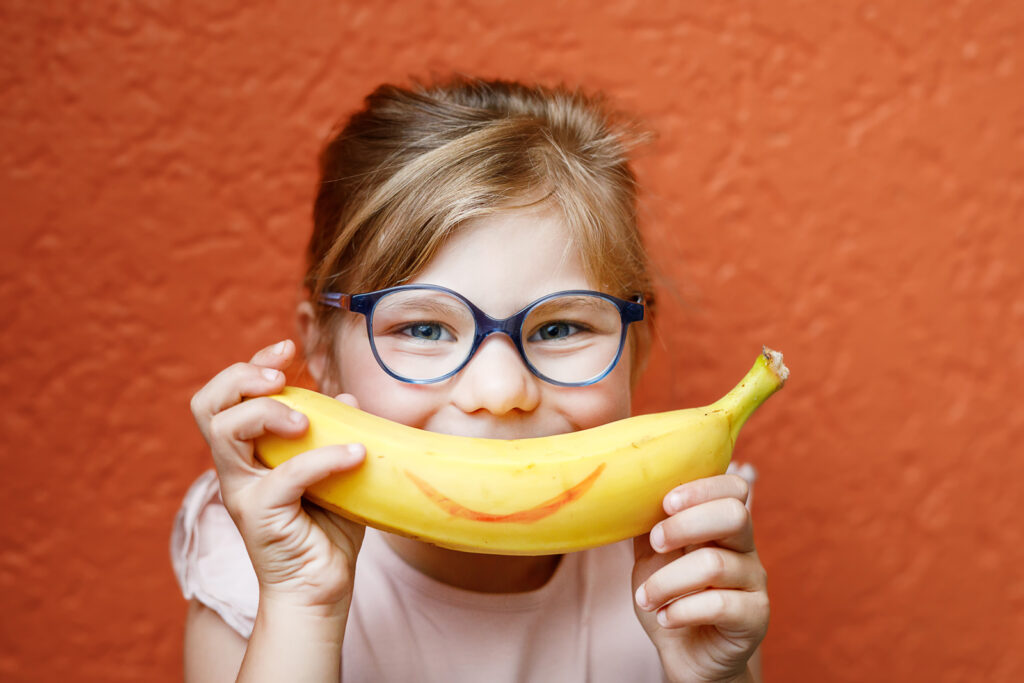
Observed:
{"x":496,"y":380}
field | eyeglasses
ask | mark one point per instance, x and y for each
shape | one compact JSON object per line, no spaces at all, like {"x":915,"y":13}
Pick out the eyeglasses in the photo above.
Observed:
{"x":422,"y":334}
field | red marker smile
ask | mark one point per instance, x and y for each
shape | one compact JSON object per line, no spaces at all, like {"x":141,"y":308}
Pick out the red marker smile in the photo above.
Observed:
{"x":533,"y":514}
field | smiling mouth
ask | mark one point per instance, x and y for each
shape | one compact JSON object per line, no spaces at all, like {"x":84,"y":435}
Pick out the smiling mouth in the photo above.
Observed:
{"x":527,"y":515}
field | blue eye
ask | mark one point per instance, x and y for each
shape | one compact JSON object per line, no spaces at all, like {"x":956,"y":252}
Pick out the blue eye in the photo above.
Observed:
{"x":554,"y":330}
{"x":427,"y":331}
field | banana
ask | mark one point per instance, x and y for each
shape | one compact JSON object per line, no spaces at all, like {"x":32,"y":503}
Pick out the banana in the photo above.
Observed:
{"x":537,"y":496}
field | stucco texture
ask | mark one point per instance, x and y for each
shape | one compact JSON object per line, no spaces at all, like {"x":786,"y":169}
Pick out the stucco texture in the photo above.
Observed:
{"x":843,"y":181}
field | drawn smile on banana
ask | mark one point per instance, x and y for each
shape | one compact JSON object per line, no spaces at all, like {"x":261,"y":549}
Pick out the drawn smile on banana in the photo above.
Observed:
{"x":526,"y":515}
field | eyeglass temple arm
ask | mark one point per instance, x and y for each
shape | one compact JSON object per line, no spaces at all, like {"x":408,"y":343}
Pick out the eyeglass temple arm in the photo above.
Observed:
{"x":336,"y":300}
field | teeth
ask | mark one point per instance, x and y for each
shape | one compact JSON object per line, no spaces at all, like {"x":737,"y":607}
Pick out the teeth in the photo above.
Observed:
{"x":535,"y":496}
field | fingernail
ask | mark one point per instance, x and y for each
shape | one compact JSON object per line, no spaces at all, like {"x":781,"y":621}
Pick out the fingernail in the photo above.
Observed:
{"x":663,"y":617}
{"x":675,"y":502}
{"x":278,"y":348}
{"x":356,"y":450}
{"x":641,"y":597}
{"x":270,"y":374}
{"x":657,"y":537}
{"x":296,"y":417}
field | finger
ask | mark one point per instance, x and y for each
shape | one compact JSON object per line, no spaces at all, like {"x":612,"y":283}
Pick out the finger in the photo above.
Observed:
{"x":348,"y":399}
{"x":230,"y":386}
{"x":286,"y":483}
{"x":646,"y":561}
{"x":739,"y":613}
{"x":724,"y":521}
{"x":704,"y":568}
{"x":277,"y":355}
{"x":703,"y":490}
{"x":232,"y":432}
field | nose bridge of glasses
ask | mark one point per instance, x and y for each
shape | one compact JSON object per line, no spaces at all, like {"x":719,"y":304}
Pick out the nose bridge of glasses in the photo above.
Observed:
{"x":486,"y":326}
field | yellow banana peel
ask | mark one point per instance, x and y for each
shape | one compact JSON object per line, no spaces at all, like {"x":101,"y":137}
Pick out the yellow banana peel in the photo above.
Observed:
{"x":536,"y":496}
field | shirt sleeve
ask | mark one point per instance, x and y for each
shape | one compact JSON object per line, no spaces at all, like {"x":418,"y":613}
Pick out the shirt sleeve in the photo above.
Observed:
{"x":209,"y":557}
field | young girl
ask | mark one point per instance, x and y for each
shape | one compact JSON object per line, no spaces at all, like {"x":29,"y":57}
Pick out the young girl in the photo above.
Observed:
{"x":440,"y":204}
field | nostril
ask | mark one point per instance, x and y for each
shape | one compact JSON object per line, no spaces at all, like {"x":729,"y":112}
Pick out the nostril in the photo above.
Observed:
{"x":496,"y":381}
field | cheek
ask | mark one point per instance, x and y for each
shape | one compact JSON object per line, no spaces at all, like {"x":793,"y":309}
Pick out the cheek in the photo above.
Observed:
{"x":376,"y":391}
{"x":600,"y":403}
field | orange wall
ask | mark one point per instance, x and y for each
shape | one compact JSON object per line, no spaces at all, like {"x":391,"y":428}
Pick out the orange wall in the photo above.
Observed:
{"x":841,"y":180}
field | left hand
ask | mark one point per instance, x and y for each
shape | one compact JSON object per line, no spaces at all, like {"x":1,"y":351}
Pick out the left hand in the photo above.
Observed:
{"x":699,"y":586}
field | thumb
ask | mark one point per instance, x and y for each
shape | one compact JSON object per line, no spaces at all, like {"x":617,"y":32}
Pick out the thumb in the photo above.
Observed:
{"x":285,"y":484}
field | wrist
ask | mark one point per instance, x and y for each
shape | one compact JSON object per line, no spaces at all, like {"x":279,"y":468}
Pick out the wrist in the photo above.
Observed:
{"x":286,"y":610}
{"x":292,"y":604}
{"x":745,"y":677}
{"x":294,"y":642}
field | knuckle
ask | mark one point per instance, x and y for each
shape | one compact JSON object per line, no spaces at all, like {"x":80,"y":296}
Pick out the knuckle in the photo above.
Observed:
{"x":742,"y":486}
{"x":737,"y":512}
{"x":218,"y":428}
{"x":762,"y":578}
{"x":714,"y":564}
{"x":241,"y":372}
{"x":765,"y":609}
{"x":762,"y":605}
{"x":196,"y":404}
{"x":757,"y":612}
{"x":718,"y":604}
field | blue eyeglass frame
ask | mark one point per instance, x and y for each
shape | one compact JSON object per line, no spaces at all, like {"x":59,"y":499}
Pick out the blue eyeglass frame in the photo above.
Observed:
{"x":629,"y":312}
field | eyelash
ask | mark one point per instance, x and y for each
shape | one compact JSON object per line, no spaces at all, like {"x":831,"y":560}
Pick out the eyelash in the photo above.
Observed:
{"x":409,"y":326}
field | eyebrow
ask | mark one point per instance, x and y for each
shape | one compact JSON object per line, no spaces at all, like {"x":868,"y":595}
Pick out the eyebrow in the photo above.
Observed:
{"x":431,"y":306}
{"x":562,"y":302}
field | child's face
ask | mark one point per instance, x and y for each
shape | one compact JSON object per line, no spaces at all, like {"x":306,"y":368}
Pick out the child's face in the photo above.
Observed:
{"x":501,"y":263}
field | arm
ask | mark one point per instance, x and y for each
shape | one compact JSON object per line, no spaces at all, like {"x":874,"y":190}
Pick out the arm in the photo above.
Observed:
{"x":215,"y":653}
{"x":304,"y":557}
{"x":213,"y":650}
{"x":285,"y":635}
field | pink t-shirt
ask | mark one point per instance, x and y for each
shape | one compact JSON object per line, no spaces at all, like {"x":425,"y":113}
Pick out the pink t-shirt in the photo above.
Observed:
{"x":406,"y":626}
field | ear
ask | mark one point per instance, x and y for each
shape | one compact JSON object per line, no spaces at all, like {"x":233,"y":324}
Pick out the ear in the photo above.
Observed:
{"x":312,"y":346}
{"x":640,"y":345}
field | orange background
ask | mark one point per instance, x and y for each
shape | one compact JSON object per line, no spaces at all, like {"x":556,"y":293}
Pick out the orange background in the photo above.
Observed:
{"x":843,"y":181}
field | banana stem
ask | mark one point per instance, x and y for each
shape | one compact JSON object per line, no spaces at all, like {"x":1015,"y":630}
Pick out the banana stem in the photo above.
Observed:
{"x":764,"y":379}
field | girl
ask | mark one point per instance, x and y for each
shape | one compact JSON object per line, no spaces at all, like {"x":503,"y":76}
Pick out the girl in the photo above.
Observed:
{"x":437,"y":205}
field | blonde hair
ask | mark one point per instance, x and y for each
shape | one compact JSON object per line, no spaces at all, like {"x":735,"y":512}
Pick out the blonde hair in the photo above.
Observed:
{"x":417,"y":162}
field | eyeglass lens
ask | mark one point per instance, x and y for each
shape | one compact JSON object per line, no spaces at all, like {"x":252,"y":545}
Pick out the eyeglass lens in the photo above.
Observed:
{"x":425,"y":334}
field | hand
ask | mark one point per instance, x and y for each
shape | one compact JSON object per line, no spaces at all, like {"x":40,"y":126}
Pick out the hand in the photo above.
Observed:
{"x":700,"y":588}
{"x":303,"y":556}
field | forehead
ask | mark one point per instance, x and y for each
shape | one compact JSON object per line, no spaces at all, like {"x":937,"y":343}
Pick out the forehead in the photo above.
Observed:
{"x":504,"y":261}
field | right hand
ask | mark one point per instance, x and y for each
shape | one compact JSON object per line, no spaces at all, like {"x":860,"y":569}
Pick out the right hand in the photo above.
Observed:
{"x":303,"y":555}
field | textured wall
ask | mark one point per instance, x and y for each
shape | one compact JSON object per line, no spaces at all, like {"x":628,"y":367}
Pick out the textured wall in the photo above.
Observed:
{"x":841,"y":180}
